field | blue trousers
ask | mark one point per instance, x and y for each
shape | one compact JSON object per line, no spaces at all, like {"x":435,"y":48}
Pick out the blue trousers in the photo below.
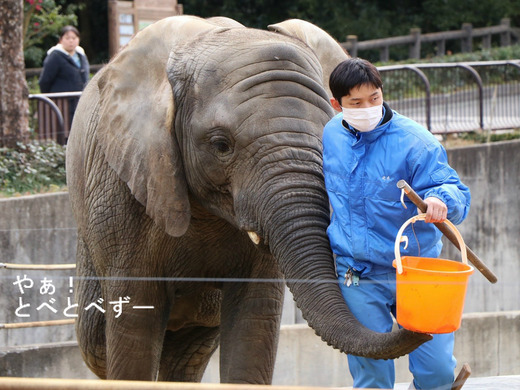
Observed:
{"x":373,"y":303}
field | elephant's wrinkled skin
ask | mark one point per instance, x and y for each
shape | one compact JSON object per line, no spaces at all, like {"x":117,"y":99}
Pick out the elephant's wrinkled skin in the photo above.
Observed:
{"x":166,"y":186}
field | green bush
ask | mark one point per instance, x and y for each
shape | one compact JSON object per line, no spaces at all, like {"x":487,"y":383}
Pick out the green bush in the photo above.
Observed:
{"x":32,"y":168}
{"x":483,"y":137}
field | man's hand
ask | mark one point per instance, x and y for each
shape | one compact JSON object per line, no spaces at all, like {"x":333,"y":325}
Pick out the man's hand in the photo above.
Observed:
{"x":437,"y":211}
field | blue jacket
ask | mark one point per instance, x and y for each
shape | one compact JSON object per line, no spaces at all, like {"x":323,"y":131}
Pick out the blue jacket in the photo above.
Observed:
{"x":61,"y":74}
{"x":361,"y":172}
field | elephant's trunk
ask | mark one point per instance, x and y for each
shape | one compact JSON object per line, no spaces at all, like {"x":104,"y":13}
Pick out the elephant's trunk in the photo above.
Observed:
{"x":299,"y":242}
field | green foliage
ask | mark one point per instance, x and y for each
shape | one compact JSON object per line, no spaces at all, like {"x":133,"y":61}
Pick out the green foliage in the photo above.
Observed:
{"x":366,"y":19}
{"x":43,"y":20}
{"x":32,"y":84}
{"x":485,"y":137}
{"x":32,"y":168}
{"x":494,"y":54}
{"x":450,"y":14}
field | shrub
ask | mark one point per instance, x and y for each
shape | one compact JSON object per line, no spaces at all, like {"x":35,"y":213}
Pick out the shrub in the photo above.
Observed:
{"x":31,"y":168}
{"x":485,"y":137}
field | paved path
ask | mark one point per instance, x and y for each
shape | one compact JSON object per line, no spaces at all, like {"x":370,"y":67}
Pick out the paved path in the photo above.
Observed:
{"x":506,"y":382}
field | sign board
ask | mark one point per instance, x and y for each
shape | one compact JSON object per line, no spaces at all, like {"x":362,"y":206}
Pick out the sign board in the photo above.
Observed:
{"x":126,"y":18}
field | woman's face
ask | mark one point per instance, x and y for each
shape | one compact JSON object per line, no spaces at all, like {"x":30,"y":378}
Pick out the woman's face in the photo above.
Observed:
{"x":69,"y":41}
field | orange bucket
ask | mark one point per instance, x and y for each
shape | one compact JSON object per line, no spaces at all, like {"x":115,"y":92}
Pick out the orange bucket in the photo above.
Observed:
{"x":430,"y":292}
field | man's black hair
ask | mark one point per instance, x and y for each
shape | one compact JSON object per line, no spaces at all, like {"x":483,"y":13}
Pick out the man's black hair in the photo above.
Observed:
{"x":352,"y":73}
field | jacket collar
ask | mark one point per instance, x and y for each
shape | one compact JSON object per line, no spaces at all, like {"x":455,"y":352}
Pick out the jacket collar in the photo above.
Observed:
{"x":59,"y":47}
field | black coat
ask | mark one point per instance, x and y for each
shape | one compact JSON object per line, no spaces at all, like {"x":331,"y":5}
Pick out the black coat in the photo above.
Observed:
{"x":61,"y":74}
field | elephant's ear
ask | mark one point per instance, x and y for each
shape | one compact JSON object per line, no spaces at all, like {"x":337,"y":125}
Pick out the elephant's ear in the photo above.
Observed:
{"x":136,"y":120}
{"x":327,"y":49}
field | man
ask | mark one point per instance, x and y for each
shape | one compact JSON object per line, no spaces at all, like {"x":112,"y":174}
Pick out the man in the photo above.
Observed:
{"x":368,"y":148}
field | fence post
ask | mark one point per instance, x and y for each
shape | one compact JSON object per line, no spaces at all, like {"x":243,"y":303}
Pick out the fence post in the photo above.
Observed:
{"x":467,"y":41}
{"x":441,"y":47}
{"x":352,"y":45}
{"x":478,"y":81}
{"x":486,"y":42}
{"x":384,"y":54}
{"x":505,"y":37}
{"x":415,"y":47}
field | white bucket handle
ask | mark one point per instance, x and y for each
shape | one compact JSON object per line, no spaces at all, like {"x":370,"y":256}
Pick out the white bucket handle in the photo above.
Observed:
{"x":421,"y":217}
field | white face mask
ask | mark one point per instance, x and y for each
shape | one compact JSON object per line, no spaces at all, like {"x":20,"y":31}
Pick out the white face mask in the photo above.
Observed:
{"x":363,"y":119}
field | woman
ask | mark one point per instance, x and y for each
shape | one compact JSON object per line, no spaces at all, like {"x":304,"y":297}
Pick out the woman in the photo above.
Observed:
{"x":66,"y":68}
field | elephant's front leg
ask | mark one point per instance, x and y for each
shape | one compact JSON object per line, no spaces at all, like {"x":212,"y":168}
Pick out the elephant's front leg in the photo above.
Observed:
{"x":134,"y":335}
{"x":251,"y":315}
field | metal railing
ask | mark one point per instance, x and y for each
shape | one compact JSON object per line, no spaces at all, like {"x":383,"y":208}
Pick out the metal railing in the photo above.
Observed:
{"x":456,"y":97}
{"x":51,"y":115}
{"x":444,"y":98}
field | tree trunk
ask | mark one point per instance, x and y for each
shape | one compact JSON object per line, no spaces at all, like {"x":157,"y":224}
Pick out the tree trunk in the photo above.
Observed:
{"x":14,"y":104}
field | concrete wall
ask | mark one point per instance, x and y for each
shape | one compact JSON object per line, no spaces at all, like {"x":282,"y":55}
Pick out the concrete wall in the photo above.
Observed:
{"x":36,"y":229}
{"x":487,"y":341}
{"x":40,"y":229}
{"x":492,"y":228}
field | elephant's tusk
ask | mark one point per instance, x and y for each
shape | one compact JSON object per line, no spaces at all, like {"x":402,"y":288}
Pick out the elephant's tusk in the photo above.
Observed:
{"x":254,"y":237}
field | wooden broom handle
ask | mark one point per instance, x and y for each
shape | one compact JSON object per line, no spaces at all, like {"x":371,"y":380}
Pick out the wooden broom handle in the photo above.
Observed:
{"x":421,"y":205}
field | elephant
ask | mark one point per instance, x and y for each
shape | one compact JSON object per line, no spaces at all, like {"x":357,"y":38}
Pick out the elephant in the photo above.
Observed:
{"x":324,"y":46}
{"x":194,"y":170}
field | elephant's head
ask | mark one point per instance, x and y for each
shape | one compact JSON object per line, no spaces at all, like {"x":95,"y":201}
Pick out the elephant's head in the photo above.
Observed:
{"x":241,"y":135}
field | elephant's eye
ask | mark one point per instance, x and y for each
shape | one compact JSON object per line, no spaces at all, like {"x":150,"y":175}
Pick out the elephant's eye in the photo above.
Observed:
{"x":221,"y":145}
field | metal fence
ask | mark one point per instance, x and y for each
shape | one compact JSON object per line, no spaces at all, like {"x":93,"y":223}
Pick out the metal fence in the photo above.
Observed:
{"x":51,"y":115}
{"x":444,"y":98}
{"x":457,"y":97}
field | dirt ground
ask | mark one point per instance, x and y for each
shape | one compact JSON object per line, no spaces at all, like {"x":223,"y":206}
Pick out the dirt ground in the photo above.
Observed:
{"x":454,"y":141}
